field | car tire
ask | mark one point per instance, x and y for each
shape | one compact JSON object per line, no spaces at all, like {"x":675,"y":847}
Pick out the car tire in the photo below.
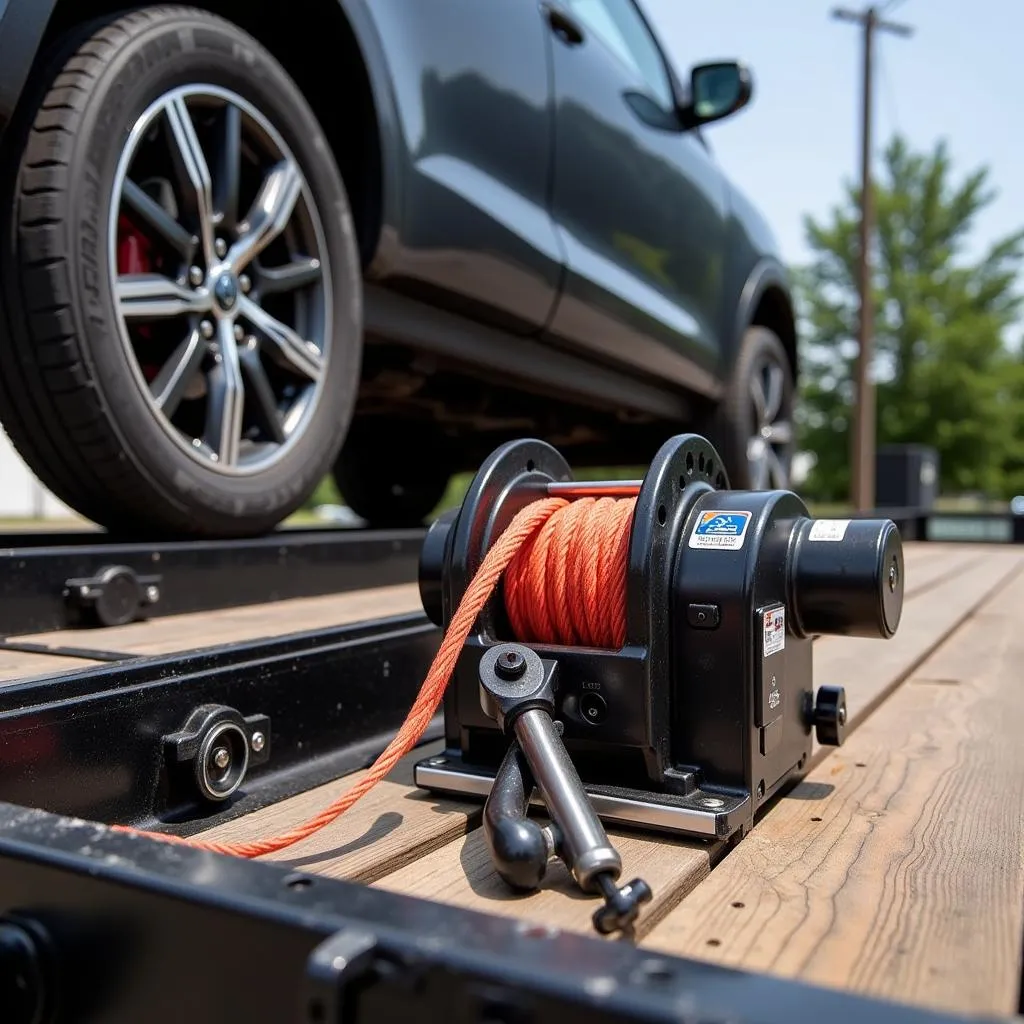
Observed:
{"x":393,"y":473}
{"x":178,"y":359}
{"x":754,"y":427}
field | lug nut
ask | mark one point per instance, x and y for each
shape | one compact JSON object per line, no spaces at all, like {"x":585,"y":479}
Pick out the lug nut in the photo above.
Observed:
{"x":206,"y":329}
{"x":220,"y":247}
{"x":239,"y":333}
{"x":244,"y":283}
{"x":195,"y":276}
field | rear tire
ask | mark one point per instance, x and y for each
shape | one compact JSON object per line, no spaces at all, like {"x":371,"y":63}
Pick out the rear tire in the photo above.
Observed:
{"x":754,"y":429}
{"x":94,"y":341}
{"x":393,"y":473}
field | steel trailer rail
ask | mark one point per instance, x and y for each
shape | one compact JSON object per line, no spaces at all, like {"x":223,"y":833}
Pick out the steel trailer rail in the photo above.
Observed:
{"x":51,"y":581}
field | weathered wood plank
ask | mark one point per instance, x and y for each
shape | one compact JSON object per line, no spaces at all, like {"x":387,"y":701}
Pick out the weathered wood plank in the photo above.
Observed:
{"x":896,"y":869}
{"x":459,"y":873}
{"x":207,"y":629}
{"x":28,"y":664}
{"x":391,"y":826}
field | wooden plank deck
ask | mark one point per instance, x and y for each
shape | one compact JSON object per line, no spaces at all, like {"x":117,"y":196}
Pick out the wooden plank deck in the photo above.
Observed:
{"x":896,"y":868}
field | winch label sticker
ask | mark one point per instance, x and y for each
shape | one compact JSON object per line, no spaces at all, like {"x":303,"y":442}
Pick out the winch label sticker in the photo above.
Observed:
{"x":774,"y":631}
{"x":828,"y":529}
{"x":715,"y":529}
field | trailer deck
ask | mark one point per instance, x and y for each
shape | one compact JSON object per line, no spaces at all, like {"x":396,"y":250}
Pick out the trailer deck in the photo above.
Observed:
{"x":894,"y":870}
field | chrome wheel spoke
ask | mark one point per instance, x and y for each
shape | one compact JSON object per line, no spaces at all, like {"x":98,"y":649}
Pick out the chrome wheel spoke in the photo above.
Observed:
{"x":302,"y":356}
{"x":269,"y":215}
{"x":193,"y":171}
{"x":169,"y":386}
{"x":154,"y":216}
{"x":226,"y":401}
{"x":779,"y":432}
{"x":264,"y":404}
{"x":289,"y":278}
{"x":774,"y":473}
{"x":757,"y":458}
{"x":772,"y":393}
{"x":759,"y":398}
{"x":153,"y":297}
{"x":229,"y":168}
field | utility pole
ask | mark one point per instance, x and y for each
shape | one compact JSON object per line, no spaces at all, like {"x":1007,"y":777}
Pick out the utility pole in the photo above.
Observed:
{"x":862,"y":435}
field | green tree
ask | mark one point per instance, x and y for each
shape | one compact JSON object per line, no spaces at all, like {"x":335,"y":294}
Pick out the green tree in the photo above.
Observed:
{"x":944,"y":373}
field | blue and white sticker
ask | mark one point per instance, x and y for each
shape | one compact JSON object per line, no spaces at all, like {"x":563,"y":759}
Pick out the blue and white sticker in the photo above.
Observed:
{"x":722,"y":530}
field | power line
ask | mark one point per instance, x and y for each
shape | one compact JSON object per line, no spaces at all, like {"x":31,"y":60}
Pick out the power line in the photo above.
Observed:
{"x":862,"y":436}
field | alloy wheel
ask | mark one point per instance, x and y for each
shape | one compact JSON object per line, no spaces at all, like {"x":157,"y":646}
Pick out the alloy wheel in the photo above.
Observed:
{"x":769,"y":447}
{"x":219,"y":276}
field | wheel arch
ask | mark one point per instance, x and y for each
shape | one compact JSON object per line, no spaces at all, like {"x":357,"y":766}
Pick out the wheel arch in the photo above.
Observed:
{"x":368,"y":170}
{"x":766,"y":302}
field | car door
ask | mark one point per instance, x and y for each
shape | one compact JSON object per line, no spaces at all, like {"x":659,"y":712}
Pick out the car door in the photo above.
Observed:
{"x":639,"y":203}
{"x":472,"y":88}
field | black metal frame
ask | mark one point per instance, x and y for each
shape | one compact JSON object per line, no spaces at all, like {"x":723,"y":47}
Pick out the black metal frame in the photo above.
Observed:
{"x":55,"y":580}
{"x":98,"y":925}
{"x":332,"y":698}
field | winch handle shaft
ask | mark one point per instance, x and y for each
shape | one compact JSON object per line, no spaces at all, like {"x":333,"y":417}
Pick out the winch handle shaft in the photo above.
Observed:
{"x":517,"y":691}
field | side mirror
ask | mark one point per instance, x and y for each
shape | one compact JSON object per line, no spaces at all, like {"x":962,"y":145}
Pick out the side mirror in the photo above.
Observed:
{"x":716,"y":91}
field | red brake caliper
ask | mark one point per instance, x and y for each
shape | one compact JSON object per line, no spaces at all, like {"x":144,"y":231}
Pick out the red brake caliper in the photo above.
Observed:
{"x":133,"y":257}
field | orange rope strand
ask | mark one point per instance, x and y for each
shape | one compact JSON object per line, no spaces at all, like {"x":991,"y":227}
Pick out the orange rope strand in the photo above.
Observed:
{"x":565,"y":565}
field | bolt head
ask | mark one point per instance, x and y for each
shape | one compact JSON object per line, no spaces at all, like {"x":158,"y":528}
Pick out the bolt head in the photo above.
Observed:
{"x":206,"y":329}
{"x":220,"y":247}
{"x":258,"y":741}
{"x":152,"y":594}
{"x":239,"y":332}
{"x":244,"y":283}
{"x":510,"y":665}
{"x":195,"y":276}
{"x":221,"y":757}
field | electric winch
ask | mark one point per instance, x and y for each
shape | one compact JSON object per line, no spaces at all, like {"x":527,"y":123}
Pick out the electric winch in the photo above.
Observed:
{"x":645,"y":658}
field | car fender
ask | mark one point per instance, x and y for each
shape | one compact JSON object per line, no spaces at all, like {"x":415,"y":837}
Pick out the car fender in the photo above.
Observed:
{"x":22,"y":27}
{"x":767,"y":273}
{"x":359,"y":15}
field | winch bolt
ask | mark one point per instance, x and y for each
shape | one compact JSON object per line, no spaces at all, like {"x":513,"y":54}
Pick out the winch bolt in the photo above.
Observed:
{"x":510,"y":665}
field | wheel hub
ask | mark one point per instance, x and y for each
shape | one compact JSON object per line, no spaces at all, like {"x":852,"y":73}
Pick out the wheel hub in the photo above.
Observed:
{"x":225,"y":292}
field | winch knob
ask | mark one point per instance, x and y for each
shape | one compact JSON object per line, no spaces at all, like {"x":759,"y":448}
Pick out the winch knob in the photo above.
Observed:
{"x":830,"y":716}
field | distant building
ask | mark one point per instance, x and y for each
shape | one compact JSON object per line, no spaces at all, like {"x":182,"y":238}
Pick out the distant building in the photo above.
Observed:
{"x":22,"y":496}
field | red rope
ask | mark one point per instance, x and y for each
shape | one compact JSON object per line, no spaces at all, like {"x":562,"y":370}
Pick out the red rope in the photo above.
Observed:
{"x":565,"y":566}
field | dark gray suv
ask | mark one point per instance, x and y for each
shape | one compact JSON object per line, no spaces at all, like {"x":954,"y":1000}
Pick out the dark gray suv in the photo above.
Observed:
{"x":252,"y":244}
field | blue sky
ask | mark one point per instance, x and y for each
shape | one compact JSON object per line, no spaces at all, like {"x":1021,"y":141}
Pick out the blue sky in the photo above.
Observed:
{"x":791,"y":149}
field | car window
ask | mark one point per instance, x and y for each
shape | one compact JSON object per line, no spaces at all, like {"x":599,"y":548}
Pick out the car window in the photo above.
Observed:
{"x":618,"y":24}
